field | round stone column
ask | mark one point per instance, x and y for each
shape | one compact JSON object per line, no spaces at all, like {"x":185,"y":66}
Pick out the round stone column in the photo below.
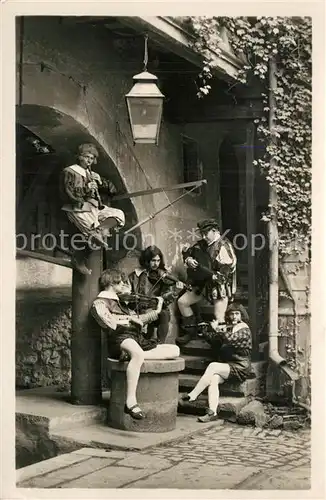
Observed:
{"x":157,"y":395}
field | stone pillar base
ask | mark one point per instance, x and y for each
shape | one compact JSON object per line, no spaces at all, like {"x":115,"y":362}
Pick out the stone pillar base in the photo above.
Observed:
{"x":157,"y":395}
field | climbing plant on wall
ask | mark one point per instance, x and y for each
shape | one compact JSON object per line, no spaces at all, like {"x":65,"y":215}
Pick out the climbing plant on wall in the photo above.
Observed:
{"x":288,"y":42}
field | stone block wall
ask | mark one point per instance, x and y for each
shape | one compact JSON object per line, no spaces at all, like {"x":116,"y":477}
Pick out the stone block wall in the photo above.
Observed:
{"x":43,"y":328}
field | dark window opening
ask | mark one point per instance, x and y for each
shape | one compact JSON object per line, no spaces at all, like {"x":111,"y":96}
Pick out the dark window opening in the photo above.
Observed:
{"x":37,"y":205}
{"x":192,"y":165}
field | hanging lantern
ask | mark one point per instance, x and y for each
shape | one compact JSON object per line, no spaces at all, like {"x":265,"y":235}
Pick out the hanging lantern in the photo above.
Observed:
{"x":145,"y":103}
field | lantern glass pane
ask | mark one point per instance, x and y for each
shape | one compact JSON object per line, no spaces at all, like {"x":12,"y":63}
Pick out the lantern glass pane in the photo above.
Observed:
{"x":145,"y":117}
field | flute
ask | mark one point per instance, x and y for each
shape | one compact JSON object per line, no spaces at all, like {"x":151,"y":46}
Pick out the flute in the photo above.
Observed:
{"x":95,"y":191}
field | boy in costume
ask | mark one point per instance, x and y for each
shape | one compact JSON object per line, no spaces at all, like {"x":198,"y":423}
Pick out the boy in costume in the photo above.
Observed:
{"x":80,"y":189}
{"x":211,"y":269}
{"x":125,"y":333}
{"x":149,"y":280}
{"x":232,"y":349}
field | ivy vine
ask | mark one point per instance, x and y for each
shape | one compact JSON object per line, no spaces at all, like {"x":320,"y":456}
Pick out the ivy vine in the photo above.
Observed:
{"x":288,"y":42}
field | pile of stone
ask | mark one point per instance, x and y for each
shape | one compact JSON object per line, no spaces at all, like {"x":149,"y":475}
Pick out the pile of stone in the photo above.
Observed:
{"x":266,"y":415}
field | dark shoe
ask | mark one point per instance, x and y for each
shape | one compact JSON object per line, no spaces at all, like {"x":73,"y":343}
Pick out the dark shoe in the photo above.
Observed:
{"x":183,"y":339}
{"x":188,"y":330}
{"x":138,"y":415}
{"x":202,"y":328}
{"x":185,"y":397}
{"x":209,"y":417}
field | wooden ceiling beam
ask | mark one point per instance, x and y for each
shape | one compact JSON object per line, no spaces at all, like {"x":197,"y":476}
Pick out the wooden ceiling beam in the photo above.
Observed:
{"x":174,"y":38}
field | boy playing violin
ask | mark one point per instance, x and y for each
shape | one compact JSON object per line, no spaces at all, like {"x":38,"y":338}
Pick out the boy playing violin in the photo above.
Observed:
{"x":125,"y":332}
{"x":148,"y":280}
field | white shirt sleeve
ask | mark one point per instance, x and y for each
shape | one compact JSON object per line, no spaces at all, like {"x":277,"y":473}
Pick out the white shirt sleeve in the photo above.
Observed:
{"x":103,"y":316}
{"x":224,"y":256}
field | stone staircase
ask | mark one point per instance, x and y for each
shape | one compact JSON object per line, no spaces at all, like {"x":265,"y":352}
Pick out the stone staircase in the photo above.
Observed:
{"x":233,"y":397}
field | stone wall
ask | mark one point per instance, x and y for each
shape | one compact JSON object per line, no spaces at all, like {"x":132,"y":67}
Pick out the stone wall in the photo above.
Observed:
{"x":294,"y":319}
{"x":43,"y":327}
{"x":294,"y":328}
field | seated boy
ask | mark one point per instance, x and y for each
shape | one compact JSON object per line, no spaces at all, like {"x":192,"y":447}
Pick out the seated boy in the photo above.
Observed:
{"x":80,"y":192}
{"x":232,"y":350}
{"x":125,"y":332}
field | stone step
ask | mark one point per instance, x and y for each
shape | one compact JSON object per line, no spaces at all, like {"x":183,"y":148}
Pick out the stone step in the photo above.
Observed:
{"x":207,"y":310}
{"x":197,"y":347}
{"x":242,"y":296}
{"x":259,"y":368}
{"x":246,"y":388}
{"x":228,"y":406}
{"x":47,"y":407}
{"x":244,"y":280}
{"x":196,"y":364}
{"x":102,"y":436}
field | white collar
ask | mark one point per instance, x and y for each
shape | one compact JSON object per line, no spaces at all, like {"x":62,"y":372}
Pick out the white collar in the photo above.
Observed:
{"x":215,"y":240}
{"x":108,"y":294}
{"x":239,"y":326}
{"x":78,"y":169}
{"x":139,"y":271}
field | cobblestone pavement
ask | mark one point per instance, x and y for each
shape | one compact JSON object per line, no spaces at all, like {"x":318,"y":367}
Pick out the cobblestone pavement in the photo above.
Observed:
{"x":223,"y":457}
{"x":245,"y":446}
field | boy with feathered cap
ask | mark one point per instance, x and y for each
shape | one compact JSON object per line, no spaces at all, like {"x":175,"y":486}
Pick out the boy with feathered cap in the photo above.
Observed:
{"x":80,"y":188}
{"x":211,"y":269}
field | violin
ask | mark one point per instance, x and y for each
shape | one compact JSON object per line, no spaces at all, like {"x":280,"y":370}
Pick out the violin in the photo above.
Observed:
{"x":138,"y":302}
{"x":170,"y":279}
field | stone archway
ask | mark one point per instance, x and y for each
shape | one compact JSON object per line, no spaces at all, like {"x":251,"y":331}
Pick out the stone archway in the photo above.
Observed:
{"x":38,"y":279}
{"x":63,"y":133}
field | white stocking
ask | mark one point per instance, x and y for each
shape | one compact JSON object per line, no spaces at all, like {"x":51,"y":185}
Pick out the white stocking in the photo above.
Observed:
{"x":222,"y":369}
{"x":214,"y":392}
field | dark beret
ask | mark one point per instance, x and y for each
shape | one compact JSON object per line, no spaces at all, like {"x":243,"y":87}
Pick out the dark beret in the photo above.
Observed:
{"x":207,"y":224}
